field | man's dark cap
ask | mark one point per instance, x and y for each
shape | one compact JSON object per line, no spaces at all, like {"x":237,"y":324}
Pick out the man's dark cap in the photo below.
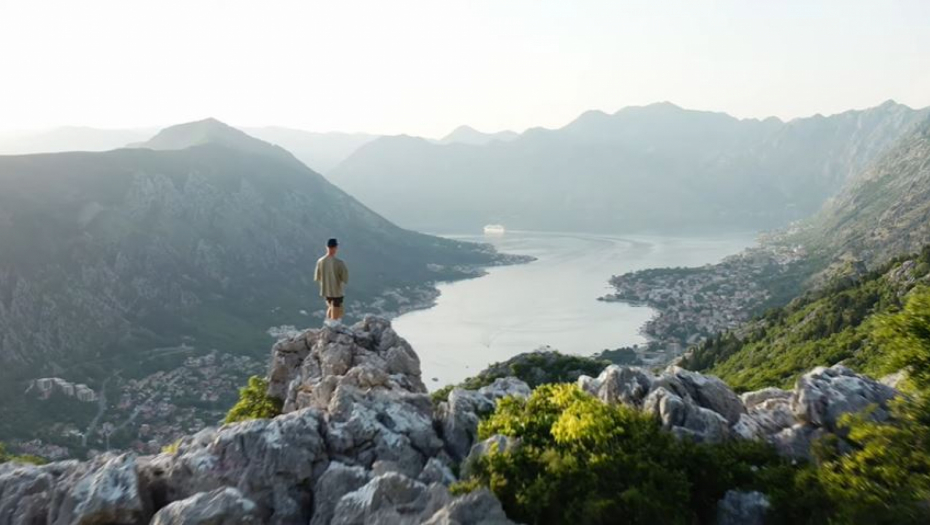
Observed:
{"x":332,"y":243}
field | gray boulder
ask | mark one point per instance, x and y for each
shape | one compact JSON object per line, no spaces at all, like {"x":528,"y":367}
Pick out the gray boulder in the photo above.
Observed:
{"x":394,"y":499}
{"x":742,"y":508}
{"x":458,"y":416}
{"x":389,"y":498}
{"x":477,"y":508}
{"x":103,"y":490}
{"x":495,"y":443}
{"x":823,"y":395}
{"x":706,"y":391}
{"x":26,"y":491}
{"x":224,"y":506}
{"x":619,"y":384}
{"x":274,"y":463}
{"x":751,"y":399}
{"x":336,"y":482}
{"x":684,"y":418}
{"x":796,"y":440}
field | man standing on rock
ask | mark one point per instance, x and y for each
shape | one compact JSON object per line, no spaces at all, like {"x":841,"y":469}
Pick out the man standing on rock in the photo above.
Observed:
{"x":332,"y":274}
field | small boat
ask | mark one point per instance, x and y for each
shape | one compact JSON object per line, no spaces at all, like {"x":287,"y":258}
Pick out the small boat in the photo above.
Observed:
{"x":494,"y":229}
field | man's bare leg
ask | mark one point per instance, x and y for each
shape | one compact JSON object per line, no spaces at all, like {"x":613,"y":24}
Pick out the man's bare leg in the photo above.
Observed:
{"x":337,"y":313}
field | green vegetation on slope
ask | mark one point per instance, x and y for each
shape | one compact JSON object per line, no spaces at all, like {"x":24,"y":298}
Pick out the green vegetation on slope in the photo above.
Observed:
{"x":882,"y":473}
{"x":819,"y":329}
{"x":6,"y":457}
{"x":582,"y":461}
{"x":535,"y":368}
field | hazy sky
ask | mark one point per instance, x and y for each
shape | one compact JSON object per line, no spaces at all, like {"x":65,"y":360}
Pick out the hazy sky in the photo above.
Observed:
{"x":426,"y":66}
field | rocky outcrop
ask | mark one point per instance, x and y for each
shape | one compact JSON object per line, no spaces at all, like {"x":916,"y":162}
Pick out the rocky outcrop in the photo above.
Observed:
{"x":357,"y":443}
{"x":458,"y":416}
{"x":705,"y":409}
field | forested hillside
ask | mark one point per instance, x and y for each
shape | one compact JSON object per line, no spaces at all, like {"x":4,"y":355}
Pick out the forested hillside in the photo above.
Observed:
{"x":820,"y":328}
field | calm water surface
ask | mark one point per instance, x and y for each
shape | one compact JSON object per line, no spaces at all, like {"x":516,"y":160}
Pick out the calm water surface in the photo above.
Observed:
{"x":552,"y":301}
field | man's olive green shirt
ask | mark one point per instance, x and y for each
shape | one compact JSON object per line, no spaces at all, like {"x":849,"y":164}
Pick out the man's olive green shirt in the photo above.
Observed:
{"x":331,"y":273}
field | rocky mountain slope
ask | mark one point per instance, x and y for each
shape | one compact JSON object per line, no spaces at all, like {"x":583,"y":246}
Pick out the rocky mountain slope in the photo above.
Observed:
{"x":657,"y":167}
{"x":360,"y":442}
{"x":883,"y":212}
{"x":129,"y":261}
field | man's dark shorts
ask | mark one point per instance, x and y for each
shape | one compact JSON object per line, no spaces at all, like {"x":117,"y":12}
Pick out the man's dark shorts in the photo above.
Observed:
{"x":335,"y":302}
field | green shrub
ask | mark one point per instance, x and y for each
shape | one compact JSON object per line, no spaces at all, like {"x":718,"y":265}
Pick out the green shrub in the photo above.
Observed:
{"x":585,"y":462}
{"x":254,"y":402}
{"x":7,"y":457}
{"x":885,"y":478}
{"x":905,"y":337}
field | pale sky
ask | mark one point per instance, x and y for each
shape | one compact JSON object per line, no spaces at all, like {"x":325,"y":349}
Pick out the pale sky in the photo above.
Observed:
{"x":424,"y":67}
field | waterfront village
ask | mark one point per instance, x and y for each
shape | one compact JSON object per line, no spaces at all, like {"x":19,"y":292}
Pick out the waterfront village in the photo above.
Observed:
{"x":694,"y":303}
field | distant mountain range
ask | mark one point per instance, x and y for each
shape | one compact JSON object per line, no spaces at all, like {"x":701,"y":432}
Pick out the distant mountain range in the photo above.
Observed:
{"x":651,"y":168}
{"x":71,"y":138}
{"x":470,"y":135}
{"x":202,"y":235}
{"x":320,"y":151}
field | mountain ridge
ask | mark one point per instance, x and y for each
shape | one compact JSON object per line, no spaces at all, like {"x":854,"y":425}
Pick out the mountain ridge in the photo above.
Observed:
{"x":648,"y":168}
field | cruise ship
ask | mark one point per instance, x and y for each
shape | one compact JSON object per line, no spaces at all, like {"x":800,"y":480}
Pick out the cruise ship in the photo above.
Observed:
{"x":495,"y":229}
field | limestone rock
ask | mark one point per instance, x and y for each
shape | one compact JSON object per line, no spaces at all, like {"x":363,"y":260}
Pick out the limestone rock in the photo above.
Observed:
{"x":273,"y":463}
{"x":458,"y":416}
{"x":685,"y":418}
{"x":224,"y":506}
{"x":26,"y":490}
{"x":619,"y":384}
{"x":822,"y":395}
{"x":103,"y":490}
{"x":751,"y":399}
{"x":336,"y":482}
{"x":496,"y":443}
{"x":389,"y":498}
{"x":394,"y":499}
{"x":706,"y":391}
{"x":742,"y":508}
{"x":477,"y":508}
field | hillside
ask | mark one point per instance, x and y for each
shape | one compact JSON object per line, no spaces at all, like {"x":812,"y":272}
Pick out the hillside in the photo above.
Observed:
{"x":132,"y":261}
{"x":821,"y":328}
{"x":882,"y":212}
{"x":652,"y":168}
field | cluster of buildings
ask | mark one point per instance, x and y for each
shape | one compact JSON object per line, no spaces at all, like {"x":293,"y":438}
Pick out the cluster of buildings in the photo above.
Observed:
{"x":45,"y":387}
{"x":156,"y":410}
{"x":695,"y":303}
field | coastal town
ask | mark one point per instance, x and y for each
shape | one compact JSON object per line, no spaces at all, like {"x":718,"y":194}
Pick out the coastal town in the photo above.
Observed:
{"x":143,"y":414}
{"x":694,"y":303}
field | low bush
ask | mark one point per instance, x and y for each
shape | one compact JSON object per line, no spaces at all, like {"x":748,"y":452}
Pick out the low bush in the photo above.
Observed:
{"x":254,"y":402}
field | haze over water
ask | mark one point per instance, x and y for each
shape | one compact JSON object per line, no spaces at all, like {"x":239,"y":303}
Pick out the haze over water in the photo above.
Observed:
{"x":552,"y":301}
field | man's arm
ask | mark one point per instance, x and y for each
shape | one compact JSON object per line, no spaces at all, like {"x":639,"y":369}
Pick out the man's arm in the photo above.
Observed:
{"x":345,"y":273}
{"x":318,"y":274}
